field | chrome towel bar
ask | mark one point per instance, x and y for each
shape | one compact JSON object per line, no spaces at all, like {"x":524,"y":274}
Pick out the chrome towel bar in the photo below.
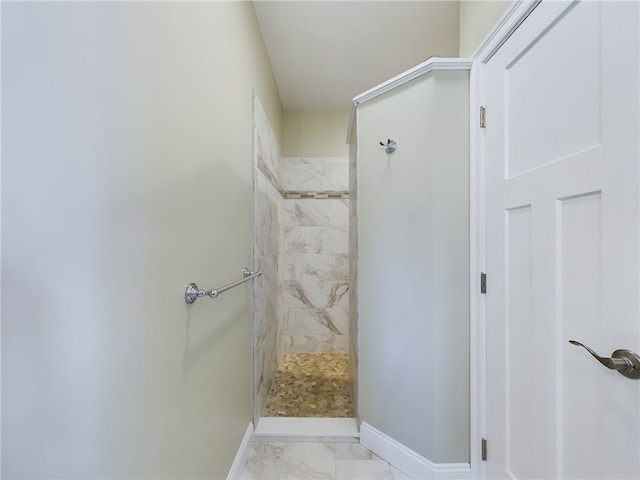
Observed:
{"x":192,"y":293}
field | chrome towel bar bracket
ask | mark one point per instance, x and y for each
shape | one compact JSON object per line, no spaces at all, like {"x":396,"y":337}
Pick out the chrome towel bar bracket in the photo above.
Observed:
{"x":192,"y":292}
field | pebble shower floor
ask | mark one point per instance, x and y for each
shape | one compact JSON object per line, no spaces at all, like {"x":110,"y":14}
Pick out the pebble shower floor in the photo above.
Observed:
{"x":311,"y":385}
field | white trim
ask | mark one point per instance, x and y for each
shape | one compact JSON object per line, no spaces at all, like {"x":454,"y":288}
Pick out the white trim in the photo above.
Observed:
{"x":517,"y":12}
{"x":1,"y":322}
{"x":242,"y":455}
{"x":477,"y":309}
{"x":434,"y":63}
{"x":306,"y":427}
{"x":408,"y":461}
{"x":513,"y":17}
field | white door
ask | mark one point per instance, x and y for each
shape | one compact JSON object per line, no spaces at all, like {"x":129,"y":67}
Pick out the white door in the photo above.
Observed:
{"x":562,"y":200}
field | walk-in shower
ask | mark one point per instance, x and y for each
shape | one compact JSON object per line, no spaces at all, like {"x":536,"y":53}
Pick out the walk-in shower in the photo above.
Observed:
{"x":301,"y":303}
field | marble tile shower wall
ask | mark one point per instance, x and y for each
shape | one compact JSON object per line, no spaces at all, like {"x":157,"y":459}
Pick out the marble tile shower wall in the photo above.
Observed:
{"x":301,"y":243}
{"x":353,"y":270}
{"x":267,"y":245}
{"x":316,"y":174}
{"x":315,"y":263}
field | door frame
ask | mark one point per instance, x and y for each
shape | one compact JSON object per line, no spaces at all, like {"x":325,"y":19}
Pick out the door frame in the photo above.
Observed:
{"x":513,"y":17}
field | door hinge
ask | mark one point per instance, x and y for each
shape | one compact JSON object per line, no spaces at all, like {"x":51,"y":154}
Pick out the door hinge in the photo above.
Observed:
{"x":483,"y":282}
{"x":483,"y":448}
{"x":483,"y":117}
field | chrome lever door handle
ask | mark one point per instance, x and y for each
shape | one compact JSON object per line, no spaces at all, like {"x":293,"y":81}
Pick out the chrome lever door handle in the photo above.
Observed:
{"x":625,"y":362}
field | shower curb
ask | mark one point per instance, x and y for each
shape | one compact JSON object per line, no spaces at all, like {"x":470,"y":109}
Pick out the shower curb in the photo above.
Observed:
{"x":307,"y":429}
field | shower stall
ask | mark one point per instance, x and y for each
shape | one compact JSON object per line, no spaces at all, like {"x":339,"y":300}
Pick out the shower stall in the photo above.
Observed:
{"x":301,"y":303}
{"x":374,"y":264}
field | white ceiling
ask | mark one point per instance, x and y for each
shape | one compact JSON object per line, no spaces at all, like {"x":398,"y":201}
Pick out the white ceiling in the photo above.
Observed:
{"x":323,"y":53}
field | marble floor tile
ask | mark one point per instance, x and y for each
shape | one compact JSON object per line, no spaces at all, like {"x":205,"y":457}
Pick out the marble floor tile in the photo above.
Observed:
{"x":265,"y":461}
{"x":327,"y":459}
{"x":363,"y":470}
{"x":262,"y":470}
{"x":268,"y":450}
{"x":309,"y":460}
{"x":311,"y":385}
{"x":354,"y":451}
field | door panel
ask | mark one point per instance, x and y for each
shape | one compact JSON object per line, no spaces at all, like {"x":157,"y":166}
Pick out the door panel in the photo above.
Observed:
{"x":563,"y":219}
{"x":536,"y":108}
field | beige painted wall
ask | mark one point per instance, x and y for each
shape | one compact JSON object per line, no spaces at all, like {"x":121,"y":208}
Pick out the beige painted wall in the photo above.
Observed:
{"x":321,"y":133}
{"x":477,"y":18}
{"x":315,"y":133}
{"x":126,"y":173}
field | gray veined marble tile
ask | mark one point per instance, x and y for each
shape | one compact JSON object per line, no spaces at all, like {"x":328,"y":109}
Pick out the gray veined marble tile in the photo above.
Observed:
{"x":325,"y":317}
{"x":268,"y":208}
{"x":262,"y":469}
{"x":266,"y":236}
{"x":335,"y":176}
{"x":363,"y":470}
{"x":303,"y":161}
{"x":267,"y":450}
{"x":305,"y":240}
{"x":314,"y":321}
{"x":318,"y":213}
{"x":336,"y":294}
{"x":303,"y":176}
{"x":286,"y":262}
{"x":300,"y":295}
{"x":313,"y":293}
{"x":354,"y":451}
{"x":304,"y":343}
{"x":335,"y":343}
{"x":340,"y":317}
{"x":307,"y":213}
{"x":309,"y":461}
{"x":322,"y":267}
{"x":315,"y":268}
{"x":335,"y":240}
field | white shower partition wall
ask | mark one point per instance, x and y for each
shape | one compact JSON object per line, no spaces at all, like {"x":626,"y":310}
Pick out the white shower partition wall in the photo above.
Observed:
{"x":412,"y":265}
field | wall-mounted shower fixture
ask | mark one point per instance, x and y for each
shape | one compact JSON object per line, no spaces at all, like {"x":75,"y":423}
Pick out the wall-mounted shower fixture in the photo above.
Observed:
{"x":390,"y":146}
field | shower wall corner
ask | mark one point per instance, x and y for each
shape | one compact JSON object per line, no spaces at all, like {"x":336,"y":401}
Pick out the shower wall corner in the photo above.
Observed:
{"x":353,"y":261}
{"x":267,"y":217}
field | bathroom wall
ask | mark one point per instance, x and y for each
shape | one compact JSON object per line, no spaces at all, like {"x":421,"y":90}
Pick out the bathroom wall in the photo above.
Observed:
{"x":477,"y":18}
{"x":126,"y":173}
{"x":315,"y":263}
{"x":268,"y":216}
{"x":413,"y":265}
{"x":315,"y":133}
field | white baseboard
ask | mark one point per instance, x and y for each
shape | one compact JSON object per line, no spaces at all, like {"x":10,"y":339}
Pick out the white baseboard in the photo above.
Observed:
{"x":408,"y":461}
{"x":241,"y":456}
